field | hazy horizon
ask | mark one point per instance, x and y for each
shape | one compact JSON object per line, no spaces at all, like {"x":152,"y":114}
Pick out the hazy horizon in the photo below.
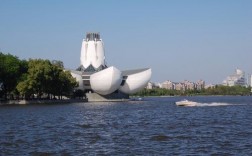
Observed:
{"x":179,"y":40}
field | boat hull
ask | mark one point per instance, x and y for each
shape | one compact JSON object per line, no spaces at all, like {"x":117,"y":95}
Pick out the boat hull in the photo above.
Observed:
{"x":186,"y":103}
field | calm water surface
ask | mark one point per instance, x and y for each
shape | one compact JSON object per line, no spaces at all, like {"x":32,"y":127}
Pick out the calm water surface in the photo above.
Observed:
{"x":154,"y":126}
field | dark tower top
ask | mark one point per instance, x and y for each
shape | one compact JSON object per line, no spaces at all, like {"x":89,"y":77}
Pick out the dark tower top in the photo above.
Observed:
{"x":92,"y":36}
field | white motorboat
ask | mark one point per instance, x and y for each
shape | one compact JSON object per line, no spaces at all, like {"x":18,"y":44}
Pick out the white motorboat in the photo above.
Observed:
{"x":186,"y":103}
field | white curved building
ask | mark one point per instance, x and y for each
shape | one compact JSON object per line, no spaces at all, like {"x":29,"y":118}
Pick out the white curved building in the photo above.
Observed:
{"x":78,"y":77}
{"x":135,"y":80}
{"x":236,"y":79}
{"x":92,"y":52}
{"x":106,"y":81}
{"x":98,"y":78}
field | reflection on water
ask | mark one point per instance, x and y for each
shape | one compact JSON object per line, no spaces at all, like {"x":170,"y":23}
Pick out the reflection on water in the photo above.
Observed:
{"x":154,"y":126}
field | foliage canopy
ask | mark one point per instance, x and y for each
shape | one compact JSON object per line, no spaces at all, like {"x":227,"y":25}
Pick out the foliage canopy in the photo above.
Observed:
{"x":217,"y":90}
{"x":34,"y":77}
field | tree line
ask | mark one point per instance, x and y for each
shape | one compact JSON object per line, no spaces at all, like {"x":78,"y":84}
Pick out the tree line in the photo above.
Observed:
{"x":216,"y":90}
{"x":33,"y":78}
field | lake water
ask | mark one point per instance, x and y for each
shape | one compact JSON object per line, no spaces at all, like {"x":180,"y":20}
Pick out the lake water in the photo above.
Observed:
{"x":153,"y":126}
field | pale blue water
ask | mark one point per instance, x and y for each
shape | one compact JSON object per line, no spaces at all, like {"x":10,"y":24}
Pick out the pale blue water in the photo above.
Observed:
{"x":154,"y":126}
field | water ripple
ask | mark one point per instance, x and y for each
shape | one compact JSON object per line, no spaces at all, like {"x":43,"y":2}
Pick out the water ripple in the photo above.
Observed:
{"x":152,"y":127}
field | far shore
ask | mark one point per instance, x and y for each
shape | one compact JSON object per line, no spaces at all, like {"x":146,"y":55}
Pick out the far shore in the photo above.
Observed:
{"x":69,"y":101}
{"x":182,"y":96}
{"x":36,"y":101}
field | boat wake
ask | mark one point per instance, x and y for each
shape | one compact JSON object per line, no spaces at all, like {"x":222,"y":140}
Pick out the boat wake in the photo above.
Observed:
{"x":187,"y":103}
{"x":213,"y":104}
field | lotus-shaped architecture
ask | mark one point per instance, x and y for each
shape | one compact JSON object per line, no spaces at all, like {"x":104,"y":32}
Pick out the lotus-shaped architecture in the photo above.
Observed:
{"x":94,"y":76}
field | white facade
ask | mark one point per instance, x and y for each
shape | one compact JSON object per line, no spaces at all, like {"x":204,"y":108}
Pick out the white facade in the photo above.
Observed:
{"x":95,"y":75}
{"x":236,"y":79}
{"x":92,"y":51}
{"x":150,"y":85}
{"x":167,"y":85}
{"x":250,"y":80}
{"x":106,"y":81}
{"x":78,"y":77}
{"x":136,"y":81}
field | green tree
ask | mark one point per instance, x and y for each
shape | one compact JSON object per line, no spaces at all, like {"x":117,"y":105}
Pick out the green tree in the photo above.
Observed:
{"x":11,"y":70}
{"x":43,"y":77}
{"x":68,"y":83}
{"x":37,"y":79}
{"x":217,"y":90}
{"x":58,"y":63}
{"x":62,"y":81}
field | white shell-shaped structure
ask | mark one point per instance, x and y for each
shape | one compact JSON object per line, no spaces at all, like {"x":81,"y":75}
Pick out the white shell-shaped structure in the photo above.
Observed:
{"x":94,"y":76}
{"x":135,"y":80}
{"x":106,"y":81}
{"x":78,"y":77}
{"x":92,"y":51}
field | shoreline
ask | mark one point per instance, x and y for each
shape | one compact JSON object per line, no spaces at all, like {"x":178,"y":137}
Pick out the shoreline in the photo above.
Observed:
{"x":182,"y":96}
{"x":69,"y":101}
{"x":29,"y":102}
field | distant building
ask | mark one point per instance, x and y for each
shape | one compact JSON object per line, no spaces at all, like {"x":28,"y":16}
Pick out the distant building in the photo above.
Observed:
{"x":167,"y":85}
{"x":158,"y":85}
{"x":250,"y":80}
{"x":250,"y":83}
{"x":189,"y":85}
{"x":150,"y":85}
{"x":180,"y":86}
{"x":209,"y":86}
{"x":236,"y":79}
{"x":200,"y":84}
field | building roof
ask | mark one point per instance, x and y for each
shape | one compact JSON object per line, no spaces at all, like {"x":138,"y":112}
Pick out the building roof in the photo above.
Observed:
{"x":134,"y":71}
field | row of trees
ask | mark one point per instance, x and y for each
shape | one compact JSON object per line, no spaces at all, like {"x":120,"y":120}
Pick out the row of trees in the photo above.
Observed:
{"x":35,"y":77}
{"x":217,"y":90}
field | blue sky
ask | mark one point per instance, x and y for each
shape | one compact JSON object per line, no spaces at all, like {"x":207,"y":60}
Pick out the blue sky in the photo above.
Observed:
{"x":178,"y":39}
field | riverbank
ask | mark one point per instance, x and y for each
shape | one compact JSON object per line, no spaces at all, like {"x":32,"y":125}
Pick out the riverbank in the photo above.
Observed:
{"x":28,"y":102}
{"x":183,"y":95}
